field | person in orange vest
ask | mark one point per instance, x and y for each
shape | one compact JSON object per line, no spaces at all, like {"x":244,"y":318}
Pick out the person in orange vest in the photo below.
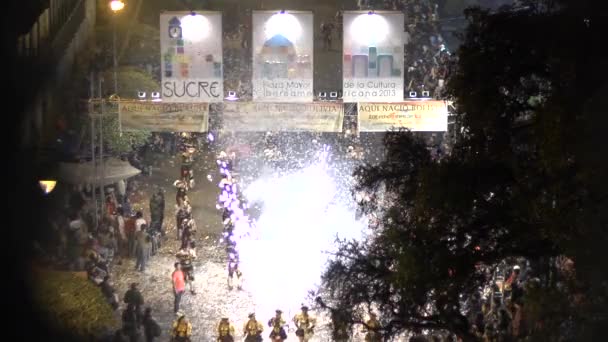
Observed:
{"x":179,"y":285}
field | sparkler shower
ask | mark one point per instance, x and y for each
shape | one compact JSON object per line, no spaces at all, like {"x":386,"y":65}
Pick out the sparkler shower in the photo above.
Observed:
{"x":283,"y":253}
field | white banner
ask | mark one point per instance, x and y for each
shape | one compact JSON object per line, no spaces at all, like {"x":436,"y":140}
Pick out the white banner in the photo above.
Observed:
{"x":373,"y":56}
{"x":191,"y":57}
{"x":417,"y":116}
{"x":164,"y":117}
{"x":287,"y":117}
{"x":282,"y":48}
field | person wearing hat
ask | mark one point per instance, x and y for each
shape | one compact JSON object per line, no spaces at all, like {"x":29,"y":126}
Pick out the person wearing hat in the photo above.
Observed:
{"x":277,"y":323}
{"x":186,"y":256}
{"x":253,"y":329}
{"x":305,"y":325}
{"x":182,"y":329}
{"x":234,"y":273}
{"x":180,"y":194}
{"x":371,"y":327}
{"x":189,"y":228}
{"x":225,"y":331}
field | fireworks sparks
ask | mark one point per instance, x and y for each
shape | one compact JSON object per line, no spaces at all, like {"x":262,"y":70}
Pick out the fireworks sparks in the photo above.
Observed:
{"x":283,"y":253}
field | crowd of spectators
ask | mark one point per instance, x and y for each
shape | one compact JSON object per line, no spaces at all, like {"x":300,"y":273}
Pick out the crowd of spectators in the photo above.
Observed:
{"x":427,"y":59}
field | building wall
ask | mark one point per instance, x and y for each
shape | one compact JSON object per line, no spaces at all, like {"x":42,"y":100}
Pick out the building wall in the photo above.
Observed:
{"x":61,"y":31}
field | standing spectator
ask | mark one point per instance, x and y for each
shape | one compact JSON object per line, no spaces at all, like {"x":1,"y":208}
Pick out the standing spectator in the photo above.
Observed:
{"x":121,"y":188}
{"x":135,"y":298}
{"x":111,"y":204}
{"x":326,"y":31}
{"x":157,"y":210}
{"x":130,"y":326}
{"x":143,"y":245}
{"x":130,"y":230}
{"x":121,"y":234}
{"x":179,"y":286}
{"x":139,"y":220}
{"x":151,"y":327}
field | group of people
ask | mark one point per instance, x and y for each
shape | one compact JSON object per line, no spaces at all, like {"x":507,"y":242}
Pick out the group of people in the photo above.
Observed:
{"x":136,"y":322}
{"x":233,"y":208}
{"x":427,"y":59}
{"x":253,"y":329}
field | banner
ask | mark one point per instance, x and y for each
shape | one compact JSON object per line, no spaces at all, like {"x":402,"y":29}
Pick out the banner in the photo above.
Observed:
{"x":417,"y":116}
{"x":164,"y":117}
{"x":372,"y":66}
{"x":282,"y":48}
{"x":191,"y":57}
{"x":287,"y":117}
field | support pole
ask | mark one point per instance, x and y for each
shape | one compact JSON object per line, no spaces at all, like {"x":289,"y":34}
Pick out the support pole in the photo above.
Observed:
{"x":93,"y":138}
{"x":103,"y":175}
{"x":115,"y":60}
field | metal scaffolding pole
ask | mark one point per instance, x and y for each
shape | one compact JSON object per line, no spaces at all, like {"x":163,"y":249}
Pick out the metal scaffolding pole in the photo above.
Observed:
{"x":93,"y":159}
{"x":103,"y":174}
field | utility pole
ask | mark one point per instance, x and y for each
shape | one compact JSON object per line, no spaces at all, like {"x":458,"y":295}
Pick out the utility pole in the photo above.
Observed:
{"x":103,"y":174}
{"x":115,"y":60}
{"x":93,"y":138}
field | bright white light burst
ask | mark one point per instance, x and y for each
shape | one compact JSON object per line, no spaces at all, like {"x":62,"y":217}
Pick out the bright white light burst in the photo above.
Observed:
{"x":369,"y":29}
{"x":302,"y":214}
{"x":195,"y":27}
{"x":283,"y":24}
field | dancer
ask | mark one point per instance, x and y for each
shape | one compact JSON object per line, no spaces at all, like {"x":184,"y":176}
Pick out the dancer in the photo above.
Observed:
{"x":225,"y":331}
{"x":277,"y":323}
{"x":253,"y":329}
{"x":186,"y":256}
{"x":305,"y":325}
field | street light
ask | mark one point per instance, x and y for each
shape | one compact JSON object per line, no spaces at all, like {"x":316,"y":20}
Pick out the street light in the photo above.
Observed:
{"x":231,"y":96}
{"x":116,"y":6}
{"x":47,"y":185}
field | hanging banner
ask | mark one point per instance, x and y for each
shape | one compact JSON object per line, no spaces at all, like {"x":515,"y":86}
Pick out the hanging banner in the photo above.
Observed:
{"x":191,"y":57}
{"x":372,"y":66}
{"x":282,"y":48}
{"x":286,"y":117}
{"x":164,"y":117}
{"x":417,"y":116}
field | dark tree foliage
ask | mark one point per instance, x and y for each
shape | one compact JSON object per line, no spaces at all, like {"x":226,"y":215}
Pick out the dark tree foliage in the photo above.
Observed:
{"x":526,"y":178}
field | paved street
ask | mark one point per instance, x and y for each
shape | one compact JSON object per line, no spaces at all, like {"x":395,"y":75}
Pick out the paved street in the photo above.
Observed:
{"x":213,"y":299}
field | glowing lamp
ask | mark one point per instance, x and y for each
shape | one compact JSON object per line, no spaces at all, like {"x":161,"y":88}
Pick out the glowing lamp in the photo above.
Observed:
{"x":116,"y":5}
{"x":47,"y":186}
{"x":232,"y":96}
{"x":155,"y":96}
{"x":283,"y":24}
{"x":195,"y":27}
{"x":369,"y":29}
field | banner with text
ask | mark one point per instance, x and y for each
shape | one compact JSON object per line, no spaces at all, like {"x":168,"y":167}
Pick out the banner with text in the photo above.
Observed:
{"x":191,"y":57}
{"x":418,"y":116}
{"x":372,"y":66}
{"x":286,"y":117}
{"x":164,"y":117}
{"x":282,"y":48}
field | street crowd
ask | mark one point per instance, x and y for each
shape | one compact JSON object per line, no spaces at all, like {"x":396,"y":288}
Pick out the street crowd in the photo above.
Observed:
{"x":427,"y":59}
{"x":82,"y":243}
